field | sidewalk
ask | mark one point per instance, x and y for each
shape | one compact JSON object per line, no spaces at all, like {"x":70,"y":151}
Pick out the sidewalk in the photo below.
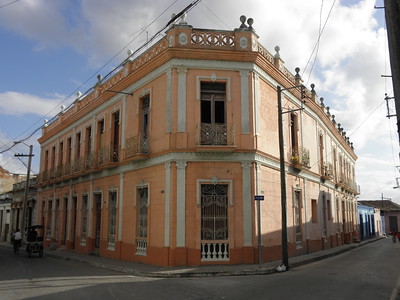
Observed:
{"x":138,"y":269}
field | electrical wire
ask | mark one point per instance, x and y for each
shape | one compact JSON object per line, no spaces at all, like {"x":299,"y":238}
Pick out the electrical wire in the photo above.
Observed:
{"x":218,"y":18}
{"x":366,"y":118}
{"x":9,"y":3}
{"x":186,"y":9}
{"x":318,"y":41}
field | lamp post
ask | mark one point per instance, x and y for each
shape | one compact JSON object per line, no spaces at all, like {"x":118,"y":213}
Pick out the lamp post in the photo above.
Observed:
{"x":28,"y":173}
{"x":285,"y":256}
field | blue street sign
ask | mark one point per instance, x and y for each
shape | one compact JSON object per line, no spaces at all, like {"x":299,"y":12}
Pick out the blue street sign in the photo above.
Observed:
{"x":259,"y":198}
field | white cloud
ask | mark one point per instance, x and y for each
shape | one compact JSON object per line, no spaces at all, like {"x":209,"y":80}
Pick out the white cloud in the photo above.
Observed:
{"x":18,"y":104}
{"x":43,"y":22}
{"x":379,"y":173}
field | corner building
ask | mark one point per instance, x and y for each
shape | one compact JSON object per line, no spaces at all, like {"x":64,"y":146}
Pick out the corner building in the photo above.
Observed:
{"x":166,"y":172}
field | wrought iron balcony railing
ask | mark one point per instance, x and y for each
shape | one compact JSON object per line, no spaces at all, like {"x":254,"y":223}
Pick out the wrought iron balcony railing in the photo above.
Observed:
{"x":137,"y":145}
{"x":215,"y":134}
{"x":327,"y":171}
{"x":300,"y":157}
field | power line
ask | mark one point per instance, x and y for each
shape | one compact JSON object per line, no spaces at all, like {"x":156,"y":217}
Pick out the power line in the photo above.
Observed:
{"x":366,"y":118}
{"x":186,"y":9}
{"x":318,"y":40}
{"x":9,"y":3}
{"x":218,"y":18}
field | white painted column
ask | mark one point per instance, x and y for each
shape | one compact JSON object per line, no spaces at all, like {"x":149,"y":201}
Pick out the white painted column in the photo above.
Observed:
{"x":244,"y":87}
{"x":246,"y":187}
{"x":258,"y":187}
{"x":305,"y":201}
{"x":123,"y":123}
{"x":120,"y":204}
{"x":256,"y":93}
{"x":167,"y":201}
{"x":182,"y":99}
{"x":169,"y":100}
{"x":181,"y":198}
{"x":90,"y":218}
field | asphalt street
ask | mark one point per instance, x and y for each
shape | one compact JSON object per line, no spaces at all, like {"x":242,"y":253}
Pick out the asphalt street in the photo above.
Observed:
{"x":368,"y":272}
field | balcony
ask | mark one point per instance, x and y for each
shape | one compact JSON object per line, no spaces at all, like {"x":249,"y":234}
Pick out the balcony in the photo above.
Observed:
{"x":89,"y":161}
{"x":215,"y":137}
{"x":77,"y":165}
{"x":327,"y":171}
{"x":137,"y":147}
{"x":103,"y":155}
{"x":300,"y":158}
{"x":347,"y":184}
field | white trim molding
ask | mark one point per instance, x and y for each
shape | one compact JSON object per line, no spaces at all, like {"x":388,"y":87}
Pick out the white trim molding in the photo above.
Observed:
{"x":214,"y":180}
{"x":213,"y":78}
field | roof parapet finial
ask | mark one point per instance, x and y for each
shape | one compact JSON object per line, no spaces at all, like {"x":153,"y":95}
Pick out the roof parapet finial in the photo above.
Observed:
{"x":250,"y":22}
{"x":297,"y":77}
{"x":313,"y":93}
{"x":278,"y":62}
{"x":277,"y":54}
{"x":183,"y":19}
{"x":243,"y":20}
{"x":312,"y":88}
{"x":322,"y":101}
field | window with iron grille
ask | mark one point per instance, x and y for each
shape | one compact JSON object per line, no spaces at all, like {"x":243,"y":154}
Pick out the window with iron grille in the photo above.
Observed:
{"x":84,"y":215}
{"x":297,"y":215}
{"x":112,"y":218}
{"x":214,"y":211}
{"x":143,"y":201}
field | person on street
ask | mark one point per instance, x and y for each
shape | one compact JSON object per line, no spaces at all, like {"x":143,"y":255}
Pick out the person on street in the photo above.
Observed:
{"x":17,"y":240}
{"x":394,"y":236}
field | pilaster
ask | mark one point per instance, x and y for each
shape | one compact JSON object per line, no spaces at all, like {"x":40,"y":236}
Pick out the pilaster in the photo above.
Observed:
{"x":181,"y":209}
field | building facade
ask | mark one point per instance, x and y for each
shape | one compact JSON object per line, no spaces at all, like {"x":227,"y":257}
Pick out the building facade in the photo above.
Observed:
{"x":366,"y":221}
{"x":160,"y":162}
{"x":390,"y":214}
{"x":5,"y":217}
{"x":17,"y":205}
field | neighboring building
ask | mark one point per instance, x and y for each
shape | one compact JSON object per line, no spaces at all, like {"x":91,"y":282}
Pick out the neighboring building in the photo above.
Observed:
{"x":379,"y":222}
{"x":5,"y":217}
{"x":390,"y":211}
{"x":366,"y":221}
{"x":18,"y":196}
{"x":7,"y":180}
{"x":166,"y":173}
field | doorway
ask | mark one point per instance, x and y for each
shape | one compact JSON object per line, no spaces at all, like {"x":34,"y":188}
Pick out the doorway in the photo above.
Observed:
{"x":74,"y":213}
{"x":97,"y":221}
{"x":393,"y":224}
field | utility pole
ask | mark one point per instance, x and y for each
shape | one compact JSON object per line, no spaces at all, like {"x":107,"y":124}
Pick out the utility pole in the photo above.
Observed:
{"x":285,"y":255}
{"x":28,"y":173}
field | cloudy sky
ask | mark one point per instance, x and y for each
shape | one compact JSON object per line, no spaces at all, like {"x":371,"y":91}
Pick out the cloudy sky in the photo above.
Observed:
{"x":52,"y":48}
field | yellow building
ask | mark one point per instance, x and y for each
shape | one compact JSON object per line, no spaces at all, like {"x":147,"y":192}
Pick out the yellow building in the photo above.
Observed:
{"x":166,"y":172}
